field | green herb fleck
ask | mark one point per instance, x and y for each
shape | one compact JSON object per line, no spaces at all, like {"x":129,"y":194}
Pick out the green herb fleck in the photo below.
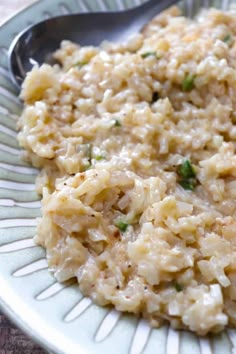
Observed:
{"x":186,"y":170}
{"x":89,"y":152}
{"x":150,"y":54}
{"x":87,"y":167}
{"x":99,"y":157}
{"x":122,"y":225}
{"x":188,"y":184}
{"x":227,"y":39}
{"x":178,"y":287}
{"x":188,"y":83}
{"x":79,"y":64}
{"x":187,"y":175}
{"x":155,"y":97}
{"x":117,"y":123}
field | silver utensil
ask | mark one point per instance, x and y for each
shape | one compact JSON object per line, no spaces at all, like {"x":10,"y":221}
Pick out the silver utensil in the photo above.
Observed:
{"x":35,"y":43}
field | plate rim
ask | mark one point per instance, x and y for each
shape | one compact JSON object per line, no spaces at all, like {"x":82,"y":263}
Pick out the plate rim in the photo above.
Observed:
{"x":18,"y":12}
{"x":5,"y":308}
{"x":26,"y":329}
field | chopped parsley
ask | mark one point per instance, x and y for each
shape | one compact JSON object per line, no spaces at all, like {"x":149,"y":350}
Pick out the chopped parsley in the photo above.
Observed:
{"x":150,"y":54}
{"x":155,"y":96}
{"x":188,"y":83}
{"x":79,"y":64}
{"x":186,"y":170}
{"x":99,"y":157}
{"x":187,"y":175}
{"x":227,"y":39}
{"x":89,"y":152}
{"x":188,"y":184}
{"x":117,"y":123}
{"x":178,"y":287}
{"x":122,"y":226}
{"x":87,"y":167}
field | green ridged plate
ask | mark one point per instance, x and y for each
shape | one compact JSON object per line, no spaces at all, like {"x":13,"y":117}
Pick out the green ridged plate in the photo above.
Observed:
{"x":58,"y":316}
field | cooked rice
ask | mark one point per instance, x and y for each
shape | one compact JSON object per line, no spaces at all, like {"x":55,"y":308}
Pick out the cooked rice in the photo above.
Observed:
{"x":111,"y":131}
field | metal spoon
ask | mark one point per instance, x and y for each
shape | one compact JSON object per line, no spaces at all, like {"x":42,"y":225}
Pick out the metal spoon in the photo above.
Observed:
{"x":36,"y":42}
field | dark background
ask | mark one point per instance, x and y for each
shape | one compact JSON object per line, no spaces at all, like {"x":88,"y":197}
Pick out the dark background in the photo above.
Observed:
{"x":13,"y":341}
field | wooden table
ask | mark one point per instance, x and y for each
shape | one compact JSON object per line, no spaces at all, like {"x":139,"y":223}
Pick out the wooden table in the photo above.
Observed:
{"x":12,"y":340}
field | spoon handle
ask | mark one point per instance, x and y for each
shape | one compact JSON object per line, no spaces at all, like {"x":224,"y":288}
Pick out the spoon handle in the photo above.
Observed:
{"x":156,"y":6}
{"x":153,"y":7}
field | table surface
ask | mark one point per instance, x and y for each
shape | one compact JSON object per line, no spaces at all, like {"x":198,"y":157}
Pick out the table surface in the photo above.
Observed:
{"x":12,"y":340}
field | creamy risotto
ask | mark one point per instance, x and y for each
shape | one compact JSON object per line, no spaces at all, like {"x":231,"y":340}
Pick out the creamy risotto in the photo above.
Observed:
{"x":136,"y":145}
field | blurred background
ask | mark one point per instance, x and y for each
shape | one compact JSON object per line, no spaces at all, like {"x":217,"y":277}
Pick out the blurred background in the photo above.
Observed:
{"x":12,"y":340}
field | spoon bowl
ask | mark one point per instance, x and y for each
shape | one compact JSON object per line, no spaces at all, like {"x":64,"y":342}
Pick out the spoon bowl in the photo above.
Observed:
{"x":36,"y":43}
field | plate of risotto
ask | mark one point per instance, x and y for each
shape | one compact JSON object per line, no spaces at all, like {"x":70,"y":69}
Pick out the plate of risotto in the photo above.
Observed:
{"x":118,"y":186}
